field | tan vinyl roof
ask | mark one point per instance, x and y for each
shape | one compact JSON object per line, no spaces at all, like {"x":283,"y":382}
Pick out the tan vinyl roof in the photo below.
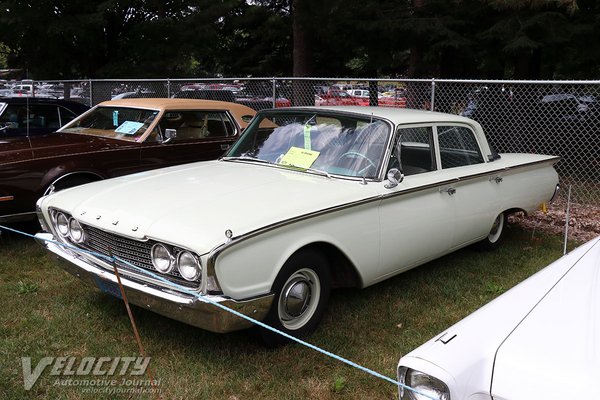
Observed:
{"x":237,"y":110}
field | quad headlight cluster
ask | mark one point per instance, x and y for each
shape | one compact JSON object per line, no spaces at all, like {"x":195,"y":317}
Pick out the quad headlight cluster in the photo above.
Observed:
{"x":68,"y":227}
{"x":165,"y":259}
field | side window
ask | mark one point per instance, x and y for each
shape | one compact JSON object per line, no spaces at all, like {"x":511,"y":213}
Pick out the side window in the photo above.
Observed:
{"x":66,"y":115}
{"x":458,"y":147}
{"x":38,"y":116}
{"x":43,"y":116}
{"x":198,"y":124}
{"x":14,"y":116}
{"x":416,"y":150}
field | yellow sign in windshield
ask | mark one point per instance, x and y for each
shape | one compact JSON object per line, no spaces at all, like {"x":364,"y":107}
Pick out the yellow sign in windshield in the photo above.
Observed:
{"x":300,"y":158}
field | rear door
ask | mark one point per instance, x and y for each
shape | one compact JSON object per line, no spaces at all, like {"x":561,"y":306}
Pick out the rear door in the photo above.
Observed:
{"x":476,"y":194}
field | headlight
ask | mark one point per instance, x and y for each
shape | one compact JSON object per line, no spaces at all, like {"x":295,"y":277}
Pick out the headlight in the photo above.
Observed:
{"x":427,"y":386}
{"x":161,"y":258}
{"x":188,"y":266}
{"x":62,"y":224}
{"x":76,"y":231}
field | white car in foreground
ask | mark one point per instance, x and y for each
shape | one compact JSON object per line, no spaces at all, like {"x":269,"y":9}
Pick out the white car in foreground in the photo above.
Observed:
{"x":539,"y":340}
{"x":306,"y":200}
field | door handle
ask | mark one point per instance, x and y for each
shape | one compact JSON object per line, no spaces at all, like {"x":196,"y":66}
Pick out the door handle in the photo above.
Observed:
{"x":496,"y":179}
{"x":450,"y":191}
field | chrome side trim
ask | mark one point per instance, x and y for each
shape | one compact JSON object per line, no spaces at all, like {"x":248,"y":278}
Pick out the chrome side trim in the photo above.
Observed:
{"x":17,"y":217}
{"x":217,"y":250}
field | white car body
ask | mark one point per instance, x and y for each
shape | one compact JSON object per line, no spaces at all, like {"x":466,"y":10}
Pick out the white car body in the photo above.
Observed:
{"x":539,"y":340}
{"x":245,"y":220}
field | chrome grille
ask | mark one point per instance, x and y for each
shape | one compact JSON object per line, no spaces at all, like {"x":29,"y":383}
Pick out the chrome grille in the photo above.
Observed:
{"x":133,"y":251}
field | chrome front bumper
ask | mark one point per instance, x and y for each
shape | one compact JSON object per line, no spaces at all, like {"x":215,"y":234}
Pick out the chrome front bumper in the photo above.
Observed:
{"x":171,"y":303}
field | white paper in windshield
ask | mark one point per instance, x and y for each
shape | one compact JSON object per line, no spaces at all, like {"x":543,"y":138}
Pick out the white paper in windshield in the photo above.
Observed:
{"x":129,"y":127}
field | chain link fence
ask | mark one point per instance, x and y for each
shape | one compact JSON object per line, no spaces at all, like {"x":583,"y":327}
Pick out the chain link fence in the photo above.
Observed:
{"x":550,"y":117}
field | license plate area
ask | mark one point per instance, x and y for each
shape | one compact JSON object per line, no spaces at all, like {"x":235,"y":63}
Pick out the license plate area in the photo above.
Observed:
{"x":108,"y":287}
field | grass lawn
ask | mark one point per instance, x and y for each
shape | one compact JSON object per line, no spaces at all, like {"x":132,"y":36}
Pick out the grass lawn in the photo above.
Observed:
{"x":47,"y":312}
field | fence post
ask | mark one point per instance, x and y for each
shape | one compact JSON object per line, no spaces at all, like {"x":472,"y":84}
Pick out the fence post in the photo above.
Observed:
{"x":274,"y":92}
{"x":91,"y":95}
{"x":168,"y":87}
{"x":432,"y":94}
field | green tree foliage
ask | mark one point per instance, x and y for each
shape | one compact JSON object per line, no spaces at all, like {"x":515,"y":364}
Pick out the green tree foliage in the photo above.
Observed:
{"x":526,"y":39}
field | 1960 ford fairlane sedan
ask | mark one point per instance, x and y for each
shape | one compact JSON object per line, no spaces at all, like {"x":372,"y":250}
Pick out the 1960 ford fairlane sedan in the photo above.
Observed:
{"x":306,"y":200}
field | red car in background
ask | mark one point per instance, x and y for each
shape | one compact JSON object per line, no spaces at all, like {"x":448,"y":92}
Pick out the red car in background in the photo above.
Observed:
{"x":338,"y":98}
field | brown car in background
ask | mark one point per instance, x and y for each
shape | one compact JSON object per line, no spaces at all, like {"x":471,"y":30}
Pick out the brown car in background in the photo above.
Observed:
{"x":114,"y":138}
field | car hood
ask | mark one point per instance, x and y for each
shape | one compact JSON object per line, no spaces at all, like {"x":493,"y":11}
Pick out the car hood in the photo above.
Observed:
{"x":193,"y":205}
{"x":554,"y":353}
{"x":465,"y":354}
{"x":54,"y":145}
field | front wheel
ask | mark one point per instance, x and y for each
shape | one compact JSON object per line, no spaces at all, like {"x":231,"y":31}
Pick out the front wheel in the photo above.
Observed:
{"x":301,"y":294}
{"x":494,"y":238}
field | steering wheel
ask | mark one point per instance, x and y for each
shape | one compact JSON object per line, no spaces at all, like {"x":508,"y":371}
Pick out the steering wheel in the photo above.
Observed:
{"x":355,"y":154}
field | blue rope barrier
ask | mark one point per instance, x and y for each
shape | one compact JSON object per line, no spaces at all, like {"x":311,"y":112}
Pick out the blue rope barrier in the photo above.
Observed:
{"x":204,"y":299}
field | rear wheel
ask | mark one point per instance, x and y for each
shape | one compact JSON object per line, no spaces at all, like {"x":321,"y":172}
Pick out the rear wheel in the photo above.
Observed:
{"x":301,"y":294}
{"x":494,"y":238}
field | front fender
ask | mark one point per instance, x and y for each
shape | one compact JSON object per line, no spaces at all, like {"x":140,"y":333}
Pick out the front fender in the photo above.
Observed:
{"x":247,"y":267}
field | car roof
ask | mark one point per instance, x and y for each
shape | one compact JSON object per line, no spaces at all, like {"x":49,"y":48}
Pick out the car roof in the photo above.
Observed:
{"x":397,"y":115}
{"x":239,"y":111}
{"x":174,"y":103}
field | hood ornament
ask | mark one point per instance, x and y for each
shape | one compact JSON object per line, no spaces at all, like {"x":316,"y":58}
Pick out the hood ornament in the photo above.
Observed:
{"x":228,"y":234}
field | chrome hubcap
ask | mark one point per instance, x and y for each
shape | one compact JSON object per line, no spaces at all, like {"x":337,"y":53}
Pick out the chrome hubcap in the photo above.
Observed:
{"x":497,"y":227}
{"x":299,"y":299}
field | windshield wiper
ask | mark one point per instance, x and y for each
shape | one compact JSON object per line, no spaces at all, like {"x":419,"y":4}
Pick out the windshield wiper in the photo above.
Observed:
{"x":246,"y":158}
{"x":319,"y":172}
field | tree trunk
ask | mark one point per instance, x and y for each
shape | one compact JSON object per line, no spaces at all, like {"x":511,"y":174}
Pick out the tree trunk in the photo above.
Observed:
{"x":302,"y":91}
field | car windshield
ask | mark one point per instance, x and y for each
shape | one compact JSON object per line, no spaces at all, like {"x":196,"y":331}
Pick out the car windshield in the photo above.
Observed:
{"x":114,"y":122}
{"x":321,"y":141}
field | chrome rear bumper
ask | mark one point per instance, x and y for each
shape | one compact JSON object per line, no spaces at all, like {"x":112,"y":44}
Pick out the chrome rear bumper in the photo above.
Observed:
{"x":171,"y":303}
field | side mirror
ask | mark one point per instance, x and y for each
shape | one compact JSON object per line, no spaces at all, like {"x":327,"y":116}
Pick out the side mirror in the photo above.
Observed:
{"x":395,"y":176}
{"x":168,"y":135}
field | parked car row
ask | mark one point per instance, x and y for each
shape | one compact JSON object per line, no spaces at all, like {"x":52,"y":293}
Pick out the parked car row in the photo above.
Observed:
{"x":358,"y":97}
{"x":382,"y":190}
{"x":40,"y":90}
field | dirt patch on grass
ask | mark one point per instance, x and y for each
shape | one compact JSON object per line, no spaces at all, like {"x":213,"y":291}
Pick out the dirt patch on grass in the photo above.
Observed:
{"x":584,"y":220}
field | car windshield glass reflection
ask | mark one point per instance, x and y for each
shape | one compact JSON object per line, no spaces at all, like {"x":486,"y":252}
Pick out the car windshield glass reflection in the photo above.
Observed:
{"x":114,"y":122}
{"x":337,"y":145}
